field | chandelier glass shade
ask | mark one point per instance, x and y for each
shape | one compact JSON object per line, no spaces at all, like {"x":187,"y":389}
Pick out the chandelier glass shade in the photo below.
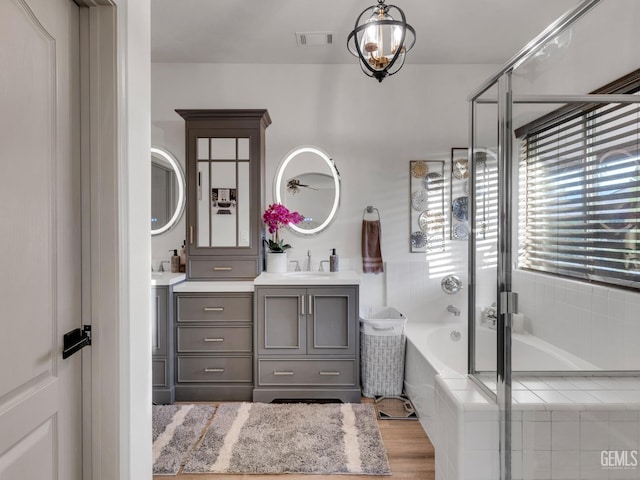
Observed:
{"x":381,"y":39}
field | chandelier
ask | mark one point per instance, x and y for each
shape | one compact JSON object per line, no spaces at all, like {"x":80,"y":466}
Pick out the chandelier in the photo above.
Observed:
{"x":380,"y":41}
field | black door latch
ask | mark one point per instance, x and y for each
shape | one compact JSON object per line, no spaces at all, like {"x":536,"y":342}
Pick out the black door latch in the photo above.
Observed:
{"x":76,"y":340}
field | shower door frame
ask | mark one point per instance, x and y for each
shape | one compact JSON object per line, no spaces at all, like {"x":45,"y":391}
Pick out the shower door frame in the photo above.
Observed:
{"x":506,"y":299}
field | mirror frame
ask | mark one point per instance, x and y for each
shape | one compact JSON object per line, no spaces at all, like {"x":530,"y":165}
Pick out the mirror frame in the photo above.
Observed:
{"x":336,"y":182}
{"x":175,"y":165}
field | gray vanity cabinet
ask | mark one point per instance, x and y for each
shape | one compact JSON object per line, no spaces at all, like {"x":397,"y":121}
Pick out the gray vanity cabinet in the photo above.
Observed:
{"x":307,"y":343}
{"x":162,"y":344}
{"x":214,"y":346}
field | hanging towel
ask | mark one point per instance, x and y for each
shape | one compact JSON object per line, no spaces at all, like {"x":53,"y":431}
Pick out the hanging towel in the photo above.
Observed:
{"x":371,"y":254}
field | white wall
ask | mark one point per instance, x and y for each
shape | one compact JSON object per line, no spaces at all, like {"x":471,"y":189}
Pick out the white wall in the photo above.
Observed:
{"x":372,"y":130}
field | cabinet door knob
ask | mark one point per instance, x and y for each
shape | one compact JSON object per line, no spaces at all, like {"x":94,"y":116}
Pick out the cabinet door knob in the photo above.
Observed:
{"x":310,"y":304}
{"x":214,"y":370}
{"x":214,"y":339}
{"x":302,"y":305}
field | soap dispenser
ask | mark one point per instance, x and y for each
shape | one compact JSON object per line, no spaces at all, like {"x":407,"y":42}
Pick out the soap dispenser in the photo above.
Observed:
{"x":175,"y":261}
{"x":183,"y":258}
{"x":333,"y":261}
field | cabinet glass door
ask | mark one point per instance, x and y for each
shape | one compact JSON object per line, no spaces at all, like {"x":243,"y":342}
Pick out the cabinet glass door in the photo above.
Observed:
{"x":223,"y":192}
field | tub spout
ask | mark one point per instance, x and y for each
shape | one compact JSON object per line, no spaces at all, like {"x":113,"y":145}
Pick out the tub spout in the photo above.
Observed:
{"x":454,"y":310}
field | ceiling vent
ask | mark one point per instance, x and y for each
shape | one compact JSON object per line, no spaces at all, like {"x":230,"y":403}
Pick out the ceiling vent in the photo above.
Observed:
{"x":307,"y":39}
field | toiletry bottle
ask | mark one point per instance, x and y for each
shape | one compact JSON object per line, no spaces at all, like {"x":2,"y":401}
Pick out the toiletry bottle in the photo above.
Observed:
{"x":333,"y":261}
{"x":183,"y":258}
{"x":175,"y":261}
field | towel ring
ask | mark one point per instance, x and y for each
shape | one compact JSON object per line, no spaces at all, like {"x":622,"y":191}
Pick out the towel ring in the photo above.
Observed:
{"x":369,"y":209}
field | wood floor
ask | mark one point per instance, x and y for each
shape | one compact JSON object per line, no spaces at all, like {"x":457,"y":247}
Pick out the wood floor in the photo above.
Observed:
{"x":411,"y":456}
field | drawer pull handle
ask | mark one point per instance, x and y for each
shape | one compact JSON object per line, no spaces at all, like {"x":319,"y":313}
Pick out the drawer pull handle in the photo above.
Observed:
{"x":332,"y":374}
{"x":282,"y":373}
{"x":214,"y":339}
{"x":214,"y":370}
{"x":222,"y":269}
{"x":213,"y":309}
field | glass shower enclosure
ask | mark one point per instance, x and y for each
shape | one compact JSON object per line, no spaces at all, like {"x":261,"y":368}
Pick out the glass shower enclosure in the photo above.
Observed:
{"x":554,"y":249}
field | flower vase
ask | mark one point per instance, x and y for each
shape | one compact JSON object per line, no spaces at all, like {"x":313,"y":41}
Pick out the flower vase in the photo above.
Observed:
{"x":276,"y":262}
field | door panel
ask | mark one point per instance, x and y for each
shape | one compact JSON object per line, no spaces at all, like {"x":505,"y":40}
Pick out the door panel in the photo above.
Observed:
{"x":282,"y":321}
{"x":40,"y":402}
{"x":330,"y":319}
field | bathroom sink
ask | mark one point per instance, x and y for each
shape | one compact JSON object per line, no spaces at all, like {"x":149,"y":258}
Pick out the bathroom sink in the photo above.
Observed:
{"x":310,"y":274}
{"x":156,"y":274}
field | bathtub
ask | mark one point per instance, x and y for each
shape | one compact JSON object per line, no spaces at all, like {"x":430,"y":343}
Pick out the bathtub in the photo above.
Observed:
{"x":441,"y":348}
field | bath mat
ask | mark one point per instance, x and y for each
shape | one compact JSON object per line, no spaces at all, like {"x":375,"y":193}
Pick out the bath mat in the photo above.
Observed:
{"x":176,"y":429}
{"x":258,"y":438}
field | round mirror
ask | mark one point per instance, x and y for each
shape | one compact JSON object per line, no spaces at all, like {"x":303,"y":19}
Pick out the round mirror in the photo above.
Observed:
{"x":308,"y":182}
{"x":167,"y":191}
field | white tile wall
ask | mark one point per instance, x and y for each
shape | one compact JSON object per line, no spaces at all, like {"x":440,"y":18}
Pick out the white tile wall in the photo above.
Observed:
{"x":560,"y":429}
{"x":466,"y":440}
{"x":596,"y":323}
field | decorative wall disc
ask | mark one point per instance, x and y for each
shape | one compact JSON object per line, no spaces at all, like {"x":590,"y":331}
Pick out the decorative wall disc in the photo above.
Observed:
{"x":418,"y":239}
{"x":433,"y":181}
{"x":430,"y":221}
{"x":419,"y":168}
{"x":459,"y":208}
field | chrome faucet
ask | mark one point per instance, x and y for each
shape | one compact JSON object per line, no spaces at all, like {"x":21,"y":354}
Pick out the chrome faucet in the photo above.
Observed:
{"x":454,"y":310}
{"x":320,"y":268}
{"x":297,"y":264}
{"x":308,"y":260}
{"x":161,"y":268}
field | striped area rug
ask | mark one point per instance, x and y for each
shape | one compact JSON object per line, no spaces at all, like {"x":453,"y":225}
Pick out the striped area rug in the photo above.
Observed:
{"x":176,"y":430}
{"x":254,"y":438}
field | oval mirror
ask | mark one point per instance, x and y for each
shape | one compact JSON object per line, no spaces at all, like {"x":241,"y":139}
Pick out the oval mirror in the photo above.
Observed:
{"x":308,"y":182}
{"x":167,"y":191}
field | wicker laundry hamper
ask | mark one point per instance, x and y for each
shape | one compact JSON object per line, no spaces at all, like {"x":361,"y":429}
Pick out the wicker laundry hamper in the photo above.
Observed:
{"x":382,"y":347}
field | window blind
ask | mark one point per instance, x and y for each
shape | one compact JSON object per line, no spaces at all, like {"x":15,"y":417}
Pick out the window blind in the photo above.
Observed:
{"x":580,"y":181}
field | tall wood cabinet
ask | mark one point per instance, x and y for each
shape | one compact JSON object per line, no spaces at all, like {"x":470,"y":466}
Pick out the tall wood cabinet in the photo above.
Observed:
{"x":225,"y":152}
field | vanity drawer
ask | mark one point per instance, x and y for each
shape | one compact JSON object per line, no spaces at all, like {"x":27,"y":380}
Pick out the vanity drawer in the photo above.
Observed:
{"x":215,"y":369}
{"x":307,"y":372}
{"x":213,"y":308}
{"x":223,"y":269}
{"x":215,"y":339}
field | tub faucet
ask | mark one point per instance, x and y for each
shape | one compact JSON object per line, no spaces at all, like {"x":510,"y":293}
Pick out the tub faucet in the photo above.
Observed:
{"x":454,"y":310}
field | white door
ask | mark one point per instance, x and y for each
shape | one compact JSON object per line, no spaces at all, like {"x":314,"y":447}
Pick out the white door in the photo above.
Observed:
{"x":40,"y":240}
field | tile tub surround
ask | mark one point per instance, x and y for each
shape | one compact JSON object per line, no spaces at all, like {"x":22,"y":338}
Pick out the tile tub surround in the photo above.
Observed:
{"x":593,"y":432}
{"x":594,"y":322}
{"x":431,"y":350}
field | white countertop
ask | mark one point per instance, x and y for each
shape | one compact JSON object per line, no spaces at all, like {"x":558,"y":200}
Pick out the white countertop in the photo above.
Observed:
{"x":218,"y":286}
{"x":166,"y":278}
{"x":346,"y":277}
